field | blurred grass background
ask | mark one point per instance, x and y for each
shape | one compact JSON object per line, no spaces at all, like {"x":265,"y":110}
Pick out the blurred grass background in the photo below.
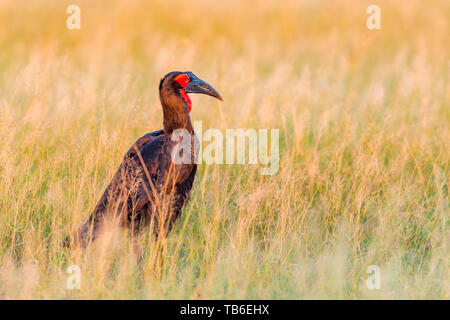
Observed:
{"x":364,"y":119}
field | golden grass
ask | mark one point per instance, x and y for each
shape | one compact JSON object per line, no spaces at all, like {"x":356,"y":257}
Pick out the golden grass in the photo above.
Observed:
{"x":364,"y":119}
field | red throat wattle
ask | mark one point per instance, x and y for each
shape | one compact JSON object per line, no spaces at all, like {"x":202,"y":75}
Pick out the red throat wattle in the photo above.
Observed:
{"x":186,"y":98}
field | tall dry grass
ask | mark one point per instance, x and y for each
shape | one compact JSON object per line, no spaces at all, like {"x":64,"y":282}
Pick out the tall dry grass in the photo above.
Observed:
{"x":364,"y":119}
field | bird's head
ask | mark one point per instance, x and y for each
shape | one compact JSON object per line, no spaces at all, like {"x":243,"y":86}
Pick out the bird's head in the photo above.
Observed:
{"x":175,"y":86}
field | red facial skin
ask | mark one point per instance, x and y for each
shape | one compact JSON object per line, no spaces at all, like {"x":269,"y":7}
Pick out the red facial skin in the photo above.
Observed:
{"x":183,"y":80}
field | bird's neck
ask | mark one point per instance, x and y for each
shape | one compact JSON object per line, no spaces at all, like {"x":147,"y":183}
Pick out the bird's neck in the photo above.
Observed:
{"x":176,"y":118}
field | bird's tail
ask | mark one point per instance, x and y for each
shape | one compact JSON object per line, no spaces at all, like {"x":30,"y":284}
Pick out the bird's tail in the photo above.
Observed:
{"x":67,"y":242}
{"x":81,"y":237}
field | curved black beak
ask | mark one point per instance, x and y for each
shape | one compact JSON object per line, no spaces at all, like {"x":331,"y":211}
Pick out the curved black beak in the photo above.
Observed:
{"x":197,"y":85}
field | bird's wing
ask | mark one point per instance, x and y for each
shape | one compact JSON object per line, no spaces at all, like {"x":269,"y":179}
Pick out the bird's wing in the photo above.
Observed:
{"x":141,"y":142}
{"x":154,"y":163}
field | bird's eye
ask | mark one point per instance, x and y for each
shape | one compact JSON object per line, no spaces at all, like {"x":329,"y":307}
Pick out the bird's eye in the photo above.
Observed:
{"x":182,"y":79}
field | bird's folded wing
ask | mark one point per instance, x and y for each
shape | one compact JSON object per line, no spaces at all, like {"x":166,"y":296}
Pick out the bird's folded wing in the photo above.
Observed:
{"x":140,"y":143}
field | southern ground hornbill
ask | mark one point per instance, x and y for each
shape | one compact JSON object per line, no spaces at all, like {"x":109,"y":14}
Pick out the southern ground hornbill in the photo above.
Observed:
{"x":150,"y":188}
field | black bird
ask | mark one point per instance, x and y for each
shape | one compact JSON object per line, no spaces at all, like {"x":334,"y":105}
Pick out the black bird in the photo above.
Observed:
{"x":150,"y":186}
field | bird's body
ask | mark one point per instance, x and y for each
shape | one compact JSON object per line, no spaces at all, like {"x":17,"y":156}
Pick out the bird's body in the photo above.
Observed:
{"x":150,"y":187}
